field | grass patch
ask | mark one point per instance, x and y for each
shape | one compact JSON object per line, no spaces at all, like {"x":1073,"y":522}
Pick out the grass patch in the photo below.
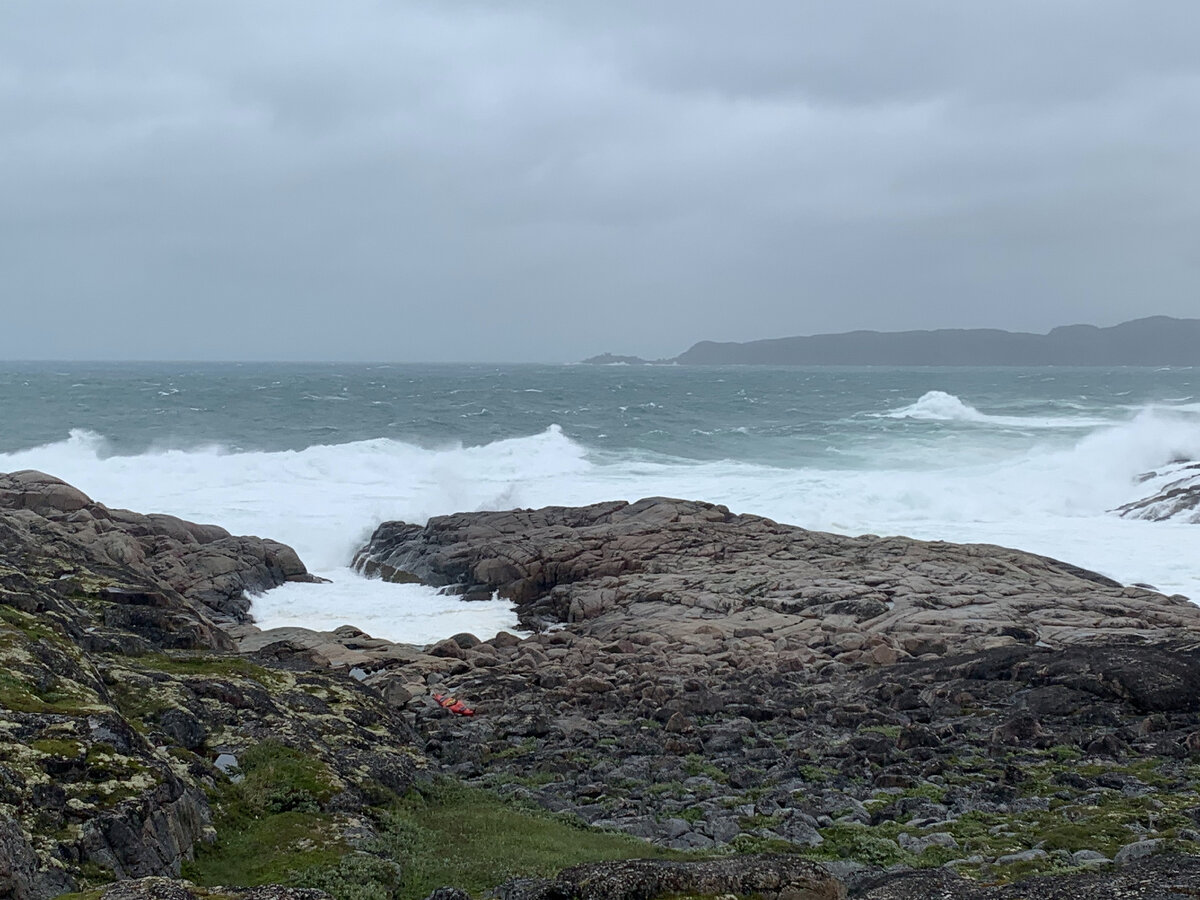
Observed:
{"x":270,"y":823}
{"x":206,"y":664}
{"x":445,"y":834}
{"x":470,"y":838}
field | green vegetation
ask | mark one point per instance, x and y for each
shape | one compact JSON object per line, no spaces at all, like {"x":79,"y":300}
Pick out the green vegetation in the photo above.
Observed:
{"x":270,"y":823}
{"x":891,"y":731}
{"x":1101,"y":819}
{"x":58,"y":696}
{"x":138,"y":703}
{"x":271,"y":828}
{"x":201,"y":664}
{"x":66,"y":749}
{"x":451,"y":834}
{"x":694,"y":764}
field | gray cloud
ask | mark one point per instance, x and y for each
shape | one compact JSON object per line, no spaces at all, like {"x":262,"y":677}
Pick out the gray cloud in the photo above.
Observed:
{"x":543,"y":181}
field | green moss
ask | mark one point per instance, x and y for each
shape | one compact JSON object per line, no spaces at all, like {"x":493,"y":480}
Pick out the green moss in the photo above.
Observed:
{"x":277,"y":778}
{"x":695,"y":764}
{"x":32,"y":626}
{"x":61,"y":697}
{"x":263,"y":850}
{"x":137,"y":703}
{"x":668,"y":789}
{"x":750,"y":843}
{"x":933,"y":792}
{"x":524,"y":748}
{"x":533,"y":779}
{"x":814,"y":774}
{"x":82,"y":895}
{"x":54,"y":747}
{"x":207,"y":664}
{"x":892,"y":731}
{"x":1064,"y":752}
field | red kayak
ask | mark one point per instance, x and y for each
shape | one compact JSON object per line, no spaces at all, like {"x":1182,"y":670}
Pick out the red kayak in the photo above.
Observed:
{"x":455,"y":706}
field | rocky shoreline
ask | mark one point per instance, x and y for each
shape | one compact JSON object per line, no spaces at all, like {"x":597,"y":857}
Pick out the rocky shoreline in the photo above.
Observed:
{"x":890,"y":718}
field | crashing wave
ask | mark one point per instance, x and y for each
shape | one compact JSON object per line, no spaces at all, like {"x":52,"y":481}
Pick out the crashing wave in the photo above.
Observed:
{"x":938,"y":406}
{"x":1176,"y":497}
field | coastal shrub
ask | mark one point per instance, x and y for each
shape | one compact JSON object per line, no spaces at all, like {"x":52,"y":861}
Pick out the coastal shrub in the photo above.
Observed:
{"x":873,"y":846}
{"x":356,"y":876}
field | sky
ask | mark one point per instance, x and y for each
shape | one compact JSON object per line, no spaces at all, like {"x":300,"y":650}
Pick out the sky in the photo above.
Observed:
{"x":543,"y":181}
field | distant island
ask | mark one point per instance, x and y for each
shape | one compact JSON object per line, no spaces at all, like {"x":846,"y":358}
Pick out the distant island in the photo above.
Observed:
{"x":1152,"y":341}
{"x":610,"y":359}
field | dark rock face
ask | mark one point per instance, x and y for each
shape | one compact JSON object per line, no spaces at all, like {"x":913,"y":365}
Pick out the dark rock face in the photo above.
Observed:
{"x":1177,"y":496}
{"x":165,"y":557}
{"x":118,"y":690}
{"x":1153,"y":341}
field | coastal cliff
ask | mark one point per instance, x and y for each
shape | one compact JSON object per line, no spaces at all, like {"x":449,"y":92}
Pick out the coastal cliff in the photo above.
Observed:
{"x":732,"y":705}
{"x":1152,"y":341}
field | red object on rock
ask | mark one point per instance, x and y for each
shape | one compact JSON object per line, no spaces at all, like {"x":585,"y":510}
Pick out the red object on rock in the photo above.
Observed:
{"x":455,"y":706}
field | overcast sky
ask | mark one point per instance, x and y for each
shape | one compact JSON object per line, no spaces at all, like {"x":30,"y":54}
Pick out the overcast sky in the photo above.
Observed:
{"x":541,"y":181}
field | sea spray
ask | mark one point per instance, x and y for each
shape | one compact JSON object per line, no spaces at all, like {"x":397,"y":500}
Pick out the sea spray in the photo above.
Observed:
{"x":1034,"y":459}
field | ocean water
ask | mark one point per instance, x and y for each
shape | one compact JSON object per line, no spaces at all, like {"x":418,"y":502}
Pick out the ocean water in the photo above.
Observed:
{"x":316,"y":455}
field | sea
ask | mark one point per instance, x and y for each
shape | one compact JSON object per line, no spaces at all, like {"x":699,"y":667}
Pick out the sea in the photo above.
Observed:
{"x":317,"y":455}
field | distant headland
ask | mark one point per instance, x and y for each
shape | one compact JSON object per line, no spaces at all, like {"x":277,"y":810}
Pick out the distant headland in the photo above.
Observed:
{"x":1152,"y":341}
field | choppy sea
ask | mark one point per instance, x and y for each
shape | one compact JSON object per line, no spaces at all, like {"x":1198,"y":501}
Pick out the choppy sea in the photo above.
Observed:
{"x":316,"y":455}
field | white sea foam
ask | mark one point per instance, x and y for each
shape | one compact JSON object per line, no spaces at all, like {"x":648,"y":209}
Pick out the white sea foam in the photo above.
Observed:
{"x":408,"y":613}
{"x":1051,"y":497}
{"x":939,"y":406}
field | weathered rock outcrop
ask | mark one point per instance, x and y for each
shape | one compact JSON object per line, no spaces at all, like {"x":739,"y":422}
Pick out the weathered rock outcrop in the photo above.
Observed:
{"x":174,"y":889}
{"x":118,"y":691}
{"x":213,"y":569}
{"x":706,"y":680}
{"x":701,"y":680}
{"x":616,"y":569}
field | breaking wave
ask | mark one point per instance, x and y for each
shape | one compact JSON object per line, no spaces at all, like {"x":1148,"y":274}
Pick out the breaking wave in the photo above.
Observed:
{"x":939,"y":406}
{"x":1050,"y":496}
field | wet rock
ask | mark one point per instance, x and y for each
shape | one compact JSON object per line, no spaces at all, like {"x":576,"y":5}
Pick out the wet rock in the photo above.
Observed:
{"x":1176,"y":495}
